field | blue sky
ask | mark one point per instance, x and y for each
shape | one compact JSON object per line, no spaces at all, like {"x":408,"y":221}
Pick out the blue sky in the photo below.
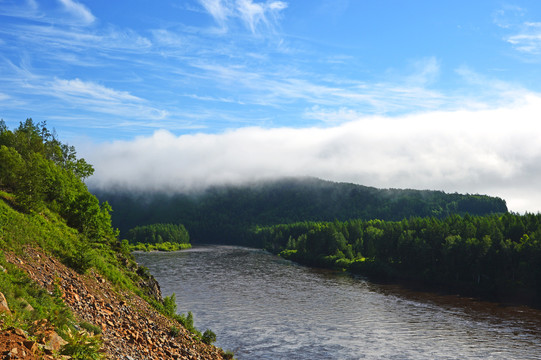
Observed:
{"x":170,"y":94}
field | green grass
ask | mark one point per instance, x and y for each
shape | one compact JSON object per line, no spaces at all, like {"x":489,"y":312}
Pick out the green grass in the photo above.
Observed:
{"x":107,"y":256}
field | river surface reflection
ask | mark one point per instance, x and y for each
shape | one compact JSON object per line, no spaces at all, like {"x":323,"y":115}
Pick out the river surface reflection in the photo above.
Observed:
{"x":263,"y":307}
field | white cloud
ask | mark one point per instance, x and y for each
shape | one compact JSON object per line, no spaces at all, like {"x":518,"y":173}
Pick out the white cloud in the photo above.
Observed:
{"x":529,"y":40}
{"x":98,"y":98}
{"x":494,"y":151}
{"x":78,"y":11}
{"x":252,"y":14}
{"x":83,"y":89}
{"x":218,"y":9}
{"x":525,"y":35}
{"x":255,"y":13}
{"x":31,"y":10}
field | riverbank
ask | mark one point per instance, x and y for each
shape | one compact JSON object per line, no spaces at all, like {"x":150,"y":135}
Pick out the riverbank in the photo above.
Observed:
{"x":129,"y":326}
{"x":270,"y":308}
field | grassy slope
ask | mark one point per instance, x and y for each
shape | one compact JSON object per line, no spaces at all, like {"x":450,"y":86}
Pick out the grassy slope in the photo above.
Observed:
{"x":48,"y":232}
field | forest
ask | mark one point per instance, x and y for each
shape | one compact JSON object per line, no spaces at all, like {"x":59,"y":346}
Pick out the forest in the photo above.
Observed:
{"x":161,"y":237}
{"x":494,"y":256}
{"x":41,"y":172}
{"x":227,"y":214}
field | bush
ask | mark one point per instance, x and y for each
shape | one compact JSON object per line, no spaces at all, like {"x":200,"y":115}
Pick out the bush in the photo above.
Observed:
{"x":82,"y":346}
{"x":91,"y":328}
{"x":170,"y":305}
{"x":208,"y":337}
{"x":174,"y":331}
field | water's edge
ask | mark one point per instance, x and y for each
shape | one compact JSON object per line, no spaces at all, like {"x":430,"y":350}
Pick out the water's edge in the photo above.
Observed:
{"x":264,"y":307}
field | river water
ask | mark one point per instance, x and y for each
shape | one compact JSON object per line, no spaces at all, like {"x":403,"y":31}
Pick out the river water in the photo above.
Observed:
{"x":263,"y":307}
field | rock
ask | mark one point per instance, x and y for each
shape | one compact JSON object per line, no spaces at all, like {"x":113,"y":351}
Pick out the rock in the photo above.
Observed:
{"x":53,"y":341}
{"x":20,"y":332}
{"x":32,"y":346}
{"x":27,"y":306}
{"x":4,"y":304}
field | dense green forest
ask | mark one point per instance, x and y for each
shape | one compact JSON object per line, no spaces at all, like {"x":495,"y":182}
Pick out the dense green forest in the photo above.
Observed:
{"x":41,"y":172}
{"x":165,"y":237}
{"x":226,"y":214}
{"x":494,"y":256}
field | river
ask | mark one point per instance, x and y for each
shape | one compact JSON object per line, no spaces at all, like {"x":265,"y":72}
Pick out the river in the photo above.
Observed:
{"x":263,"y":307}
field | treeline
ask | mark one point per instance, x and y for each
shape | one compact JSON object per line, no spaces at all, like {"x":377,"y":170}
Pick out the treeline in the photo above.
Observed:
{"x":496,"y":256}
{"x":162,"y":237}
{"x":225,"y":214}
{"x":41,"y":172}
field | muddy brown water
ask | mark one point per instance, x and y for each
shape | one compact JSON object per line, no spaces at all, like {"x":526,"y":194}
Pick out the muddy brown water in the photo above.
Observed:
{"x":263,"y":307}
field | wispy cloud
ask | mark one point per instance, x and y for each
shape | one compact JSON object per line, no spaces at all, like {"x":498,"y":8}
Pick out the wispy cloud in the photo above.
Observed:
{"x":508,"y":16}
{"x":81,"y":89}
{"x":100,"y":99}
{"x":218,"y":9}
{"x":467,"y":151}
{"x":78,"y":11}
{"x":77,"y":40}
{"x":68,"y":12}
{"x":254,"y":15}
{"x":271,"y":88}
{"x":528,"y":40}
{"x":86,"y":96}
{"x":525,"y":35}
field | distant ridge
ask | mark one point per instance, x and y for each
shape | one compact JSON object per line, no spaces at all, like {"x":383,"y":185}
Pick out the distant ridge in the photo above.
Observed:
{"x":223,"y":214}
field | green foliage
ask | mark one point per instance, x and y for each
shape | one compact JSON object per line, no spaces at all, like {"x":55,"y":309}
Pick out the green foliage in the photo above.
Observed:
{"x":169,"y":308}
{"x":82,"y":346}
{"x":208,"y":337}
{"x":90,"y":328}
{"x":20,"y":292}
{"x":497,"y":256}
{"x":228,"y":214}
{"x":159,"y":234}
{"x":44,"y":203}
{"x":165,"y":246}
{"x":170,"y":305}
{"x":174,"y":331}
{"x":228,"y":355}
{"x":187,"y":322}
{"x":43,"y":173}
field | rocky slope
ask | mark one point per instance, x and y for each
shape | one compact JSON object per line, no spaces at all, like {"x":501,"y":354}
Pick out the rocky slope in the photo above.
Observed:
{"x":131,"y":329}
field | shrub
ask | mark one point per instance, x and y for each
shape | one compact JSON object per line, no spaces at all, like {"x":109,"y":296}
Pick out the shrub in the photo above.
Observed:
{"x":170,"y":305}
{"x":208,"y":337}
{"x":91,"y":328}
{"x":174,"y":331}
{"x":82,"y":346}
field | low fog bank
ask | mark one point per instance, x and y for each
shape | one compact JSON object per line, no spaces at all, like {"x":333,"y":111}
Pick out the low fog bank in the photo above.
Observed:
{"x":495,"y":152}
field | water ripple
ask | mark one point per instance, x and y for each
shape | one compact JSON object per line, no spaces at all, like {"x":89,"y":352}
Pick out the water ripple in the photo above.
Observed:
{"x":263,"y":307}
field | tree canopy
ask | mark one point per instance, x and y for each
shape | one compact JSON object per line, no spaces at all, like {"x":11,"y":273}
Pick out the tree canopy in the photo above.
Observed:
{"x":225,"y":214}
{"x":43,"y":172}
{"x":497,"y":256}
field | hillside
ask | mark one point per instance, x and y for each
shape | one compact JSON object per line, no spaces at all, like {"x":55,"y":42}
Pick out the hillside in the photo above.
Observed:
{"x":68,"y":285}
{"x":224,"y":214}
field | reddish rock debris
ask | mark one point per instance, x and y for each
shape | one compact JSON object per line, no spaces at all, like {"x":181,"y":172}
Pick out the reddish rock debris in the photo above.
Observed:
{"x":131,"y":328}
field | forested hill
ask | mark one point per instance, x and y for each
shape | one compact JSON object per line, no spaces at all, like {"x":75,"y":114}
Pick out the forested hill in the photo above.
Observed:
{"x":223,"y":214}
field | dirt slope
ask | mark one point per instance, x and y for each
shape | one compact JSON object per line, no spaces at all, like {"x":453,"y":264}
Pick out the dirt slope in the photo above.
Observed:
{"x":131,"y":328}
